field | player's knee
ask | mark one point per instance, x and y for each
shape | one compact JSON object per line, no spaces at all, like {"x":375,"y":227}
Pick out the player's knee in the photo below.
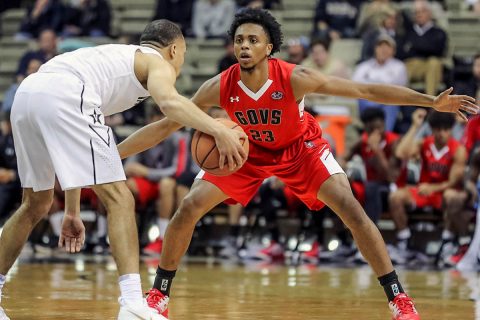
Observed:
{"x":191,"y":209}
{"x":396,"y":198}
{"x":37,"y":205}
{"x":116,"y":194}
{"x":452,"y":197}
{"x":167,"y":185}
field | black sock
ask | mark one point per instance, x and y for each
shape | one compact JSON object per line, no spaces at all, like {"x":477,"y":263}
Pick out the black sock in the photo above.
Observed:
{"x":234,"y":230}
{"x":391,"y":285}
{"x":163,"y":280}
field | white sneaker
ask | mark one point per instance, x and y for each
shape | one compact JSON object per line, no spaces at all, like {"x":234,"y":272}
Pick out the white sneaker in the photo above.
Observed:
{"x":139,"y":311}
{"x":399,"y":256}
{"x":3,"y":316}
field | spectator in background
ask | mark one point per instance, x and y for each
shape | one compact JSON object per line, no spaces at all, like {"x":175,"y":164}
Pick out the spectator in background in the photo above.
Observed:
{"x":336,"y":18}
{"x":425,"y":45}
{"x":321,"y":60}
{"x":372,"y":14}
{"x":388,"y":24}
{"x":443,"y":161}
{"x":47,"y":49}
{"x":33,"y":66}
{"x":89,"y":18}
{"x":229,"y":58}
{"x":383,"y":68}
{"x":10,"y":188}
{"x":44,"y":14}
{"x":259,"y":4}
{"x":472,"y":86}
{"x":376,"y":148}
{"x":178,"y":11}
{"x":473,"y":5}
{"x":212,"y":18}
{"x":297,"y":50}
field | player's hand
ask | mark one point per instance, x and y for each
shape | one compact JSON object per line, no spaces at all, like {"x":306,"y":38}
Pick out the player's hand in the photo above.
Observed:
{"x":418,"y":117}
{"x":229,"y":145}
{"x":72,"y":236}
{"x":426,"y":189}
{"x":374,"y":140}
{"x":445,"y":102}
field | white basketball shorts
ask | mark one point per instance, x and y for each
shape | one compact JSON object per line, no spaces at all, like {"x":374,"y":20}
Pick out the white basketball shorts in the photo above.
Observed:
{"x":58,"y":128}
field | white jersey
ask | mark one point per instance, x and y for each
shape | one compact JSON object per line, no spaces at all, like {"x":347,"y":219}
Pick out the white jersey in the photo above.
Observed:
{"x":107,"y":72}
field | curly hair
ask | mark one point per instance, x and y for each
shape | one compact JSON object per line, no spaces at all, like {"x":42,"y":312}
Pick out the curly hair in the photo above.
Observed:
{"x":441,"y":120}
{"x":262,"y":18}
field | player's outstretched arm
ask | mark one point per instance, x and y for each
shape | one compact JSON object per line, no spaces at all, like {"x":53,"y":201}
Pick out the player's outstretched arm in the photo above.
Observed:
{"x":72,"y":236}
{"x":147,"y":137}
{"x":161,"y":85}
{"x":306,"y":80}
{"x":150,"y":135}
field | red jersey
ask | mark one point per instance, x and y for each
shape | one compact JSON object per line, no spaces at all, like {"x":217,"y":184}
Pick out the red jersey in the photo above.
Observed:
{"x":368,"y":156}
{"x":472,"y":133}
{"x":436,"y":164}
{"x":271,"y":117}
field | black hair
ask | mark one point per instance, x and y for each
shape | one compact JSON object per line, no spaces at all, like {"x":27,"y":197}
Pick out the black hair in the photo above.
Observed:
{"x":324,"y":42}
{"x":371,"y":114}
{"x":161,"y":33}
{"x":441,"y":120}
{"x":475,"y":57}
{"x":262,"y":18}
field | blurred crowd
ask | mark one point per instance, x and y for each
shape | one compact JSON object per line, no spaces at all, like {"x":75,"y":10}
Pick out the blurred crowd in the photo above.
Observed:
{"x":411,"y":166}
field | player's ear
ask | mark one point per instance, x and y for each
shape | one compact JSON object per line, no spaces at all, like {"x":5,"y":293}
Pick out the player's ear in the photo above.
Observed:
{"x":269,"y":49}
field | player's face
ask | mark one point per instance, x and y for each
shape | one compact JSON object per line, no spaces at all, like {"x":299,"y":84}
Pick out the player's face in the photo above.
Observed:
{"x":251,"y":45}
{"x":375,"y":125}
{"x":442,"y":135}
{"x":178,"y":50}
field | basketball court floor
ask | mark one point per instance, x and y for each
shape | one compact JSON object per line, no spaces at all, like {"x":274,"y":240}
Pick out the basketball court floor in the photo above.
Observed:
{"x":85,"y":287}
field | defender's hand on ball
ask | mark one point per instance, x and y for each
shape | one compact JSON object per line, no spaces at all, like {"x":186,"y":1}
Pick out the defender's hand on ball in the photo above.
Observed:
{"x":458,"y":104}
{"x":72,"y":236}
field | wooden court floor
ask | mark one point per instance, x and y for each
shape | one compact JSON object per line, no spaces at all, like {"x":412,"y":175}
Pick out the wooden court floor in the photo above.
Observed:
{"x":87,"y":289}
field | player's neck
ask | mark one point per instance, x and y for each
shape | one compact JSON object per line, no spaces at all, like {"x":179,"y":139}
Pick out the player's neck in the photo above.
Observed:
{"x":256,"y":78}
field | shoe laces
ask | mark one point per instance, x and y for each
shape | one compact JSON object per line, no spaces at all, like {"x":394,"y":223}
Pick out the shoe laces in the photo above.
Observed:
{"x":157,"y":300}
{"x":405,"y":305}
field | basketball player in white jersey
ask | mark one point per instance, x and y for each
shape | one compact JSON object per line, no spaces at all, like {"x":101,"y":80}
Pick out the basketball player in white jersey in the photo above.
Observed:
{"x":59,"y":129}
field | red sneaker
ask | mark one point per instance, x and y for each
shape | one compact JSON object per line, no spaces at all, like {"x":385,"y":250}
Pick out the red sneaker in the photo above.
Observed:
{"x":154,"y":248}
{"x":455,"y":259}
{"x":402,"y":308}
{"x":313,"y":254}
{"x":274,"y":252}
{"x":158,"y":301}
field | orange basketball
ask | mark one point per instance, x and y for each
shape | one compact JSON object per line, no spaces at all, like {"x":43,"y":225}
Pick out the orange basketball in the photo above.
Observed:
{"x":205,"y":152}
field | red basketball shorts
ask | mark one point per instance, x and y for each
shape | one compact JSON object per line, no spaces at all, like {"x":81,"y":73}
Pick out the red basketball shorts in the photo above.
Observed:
{"x":303,"y":167}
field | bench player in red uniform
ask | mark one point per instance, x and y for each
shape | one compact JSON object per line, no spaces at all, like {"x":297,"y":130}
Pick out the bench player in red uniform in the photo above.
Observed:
{"x":265,"y":97}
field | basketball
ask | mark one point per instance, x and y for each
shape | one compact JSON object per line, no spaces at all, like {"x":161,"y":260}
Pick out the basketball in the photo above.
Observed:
{"x":205,"y":152}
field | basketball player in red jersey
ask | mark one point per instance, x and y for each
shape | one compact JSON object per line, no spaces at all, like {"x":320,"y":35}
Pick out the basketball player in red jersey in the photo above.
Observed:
{"x":265,"y":97}
{"x":443,"y":166}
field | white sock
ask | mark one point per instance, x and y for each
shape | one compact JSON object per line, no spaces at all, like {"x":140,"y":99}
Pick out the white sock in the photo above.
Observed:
{"x":404,"y":234}
{"x":447,"y":235}
{"x":131,"y":288}
{"x":101,"y":226}
{"x":2,"y":282}
{"x":56,"y":222}
{"x":162,"y":226}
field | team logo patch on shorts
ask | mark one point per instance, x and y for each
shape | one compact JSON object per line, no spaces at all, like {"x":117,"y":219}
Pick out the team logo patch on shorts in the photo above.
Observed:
{"x":277,"y":95}
{"x":309,"y":144}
